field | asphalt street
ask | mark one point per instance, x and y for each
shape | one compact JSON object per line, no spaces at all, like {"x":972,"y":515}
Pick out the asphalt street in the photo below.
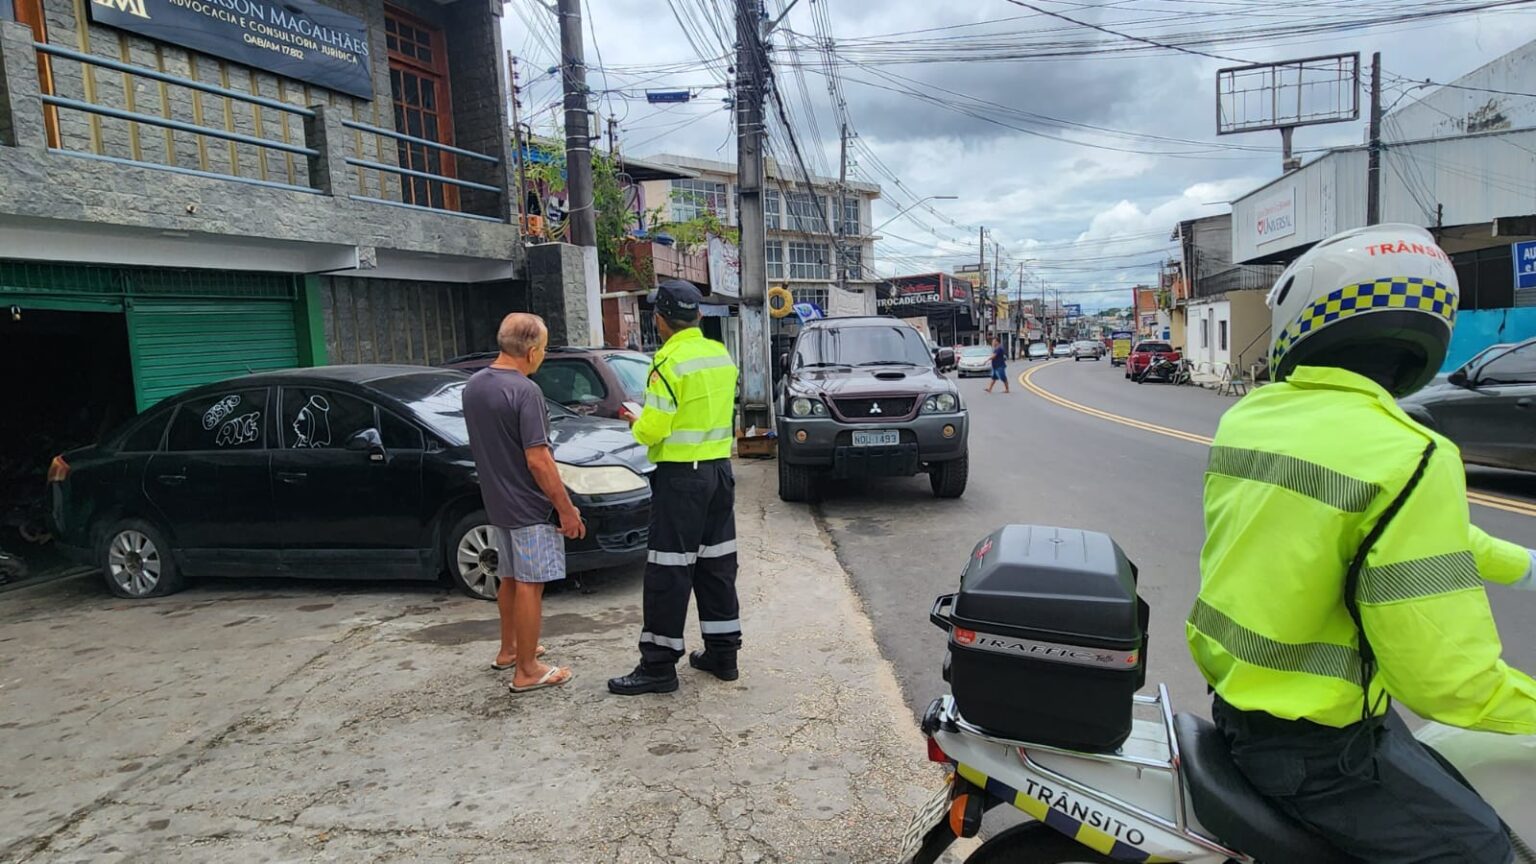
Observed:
{"x":1132,"y":469}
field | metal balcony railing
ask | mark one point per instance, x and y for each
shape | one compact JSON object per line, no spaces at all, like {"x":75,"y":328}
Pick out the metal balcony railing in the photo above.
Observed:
{"x":427,"y":176}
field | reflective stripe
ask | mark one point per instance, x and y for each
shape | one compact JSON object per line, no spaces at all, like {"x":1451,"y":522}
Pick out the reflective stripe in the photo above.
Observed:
{"x":689,"y":436}
{"x":663,"y":641}
{"x":712,"y":628}
{"x":1422,"y":577}
{"x":1312,"y":658}
{"x":719,"y":550}
{"x":699,"y":364}
{"x":1339,"y":491}
{"x":660,"y":403}
{"x":671,"y":559}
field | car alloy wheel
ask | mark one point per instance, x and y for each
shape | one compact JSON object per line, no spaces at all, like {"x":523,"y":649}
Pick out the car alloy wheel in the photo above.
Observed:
{"x":477,"y":561}
{"x":134,"y":563}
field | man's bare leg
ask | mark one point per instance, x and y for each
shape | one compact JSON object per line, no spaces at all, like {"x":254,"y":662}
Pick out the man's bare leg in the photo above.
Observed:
{"x":504,"y":606}
{"x":527,"y":619}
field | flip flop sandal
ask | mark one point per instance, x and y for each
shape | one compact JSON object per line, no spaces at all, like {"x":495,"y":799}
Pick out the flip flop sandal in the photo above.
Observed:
{"x":544,"y":681}
{"x":537,"y":653}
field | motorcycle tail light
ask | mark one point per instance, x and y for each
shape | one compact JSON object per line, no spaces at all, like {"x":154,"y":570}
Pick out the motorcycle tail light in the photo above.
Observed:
{"x":58,"y":470}
{"x":935,"y":753}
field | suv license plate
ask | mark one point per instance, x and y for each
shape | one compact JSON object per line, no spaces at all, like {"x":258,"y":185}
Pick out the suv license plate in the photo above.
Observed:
{"x":878,"y":438}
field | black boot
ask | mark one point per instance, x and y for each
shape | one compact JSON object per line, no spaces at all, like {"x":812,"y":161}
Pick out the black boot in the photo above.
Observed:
{"x":645,"y":679}
{"x":721,"y":664}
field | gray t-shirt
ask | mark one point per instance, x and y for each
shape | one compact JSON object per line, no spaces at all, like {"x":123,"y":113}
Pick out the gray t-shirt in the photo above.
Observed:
{"x":506,"y":414}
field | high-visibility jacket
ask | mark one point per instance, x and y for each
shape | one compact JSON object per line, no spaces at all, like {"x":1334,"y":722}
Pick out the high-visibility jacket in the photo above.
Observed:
{"x":1299,"y":474}
{"x":690,"y":398}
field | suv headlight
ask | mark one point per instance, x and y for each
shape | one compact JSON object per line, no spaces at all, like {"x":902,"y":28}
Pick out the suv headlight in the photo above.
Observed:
{"x":943,"y":403}
{"x":801,"y":406}
{"x":599,"y":479}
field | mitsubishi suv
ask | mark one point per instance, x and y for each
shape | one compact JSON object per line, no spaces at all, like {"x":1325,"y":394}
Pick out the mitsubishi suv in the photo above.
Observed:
{"x":864,"y":397}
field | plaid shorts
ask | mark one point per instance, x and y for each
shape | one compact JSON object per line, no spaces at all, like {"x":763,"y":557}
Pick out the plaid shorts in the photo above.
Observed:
{"x":532,"y":554}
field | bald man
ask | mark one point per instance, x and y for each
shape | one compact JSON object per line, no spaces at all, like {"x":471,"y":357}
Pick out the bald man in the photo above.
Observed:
{"x":508,"y":425}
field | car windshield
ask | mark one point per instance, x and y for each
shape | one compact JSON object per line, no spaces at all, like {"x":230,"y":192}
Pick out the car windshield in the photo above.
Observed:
{"x":437,"y":399}
{"x":976,"y":352}
{"x":631,"y":370}
{"x":862,"y":345}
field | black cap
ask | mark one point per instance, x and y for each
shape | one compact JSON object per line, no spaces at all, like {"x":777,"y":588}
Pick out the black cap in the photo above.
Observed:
{"x":677,"y":300}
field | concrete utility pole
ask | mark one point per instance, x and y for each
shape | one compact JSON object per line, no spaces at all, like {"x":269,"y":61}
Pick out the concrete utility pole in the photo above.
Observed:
{"x":1373,"y":170}
{"x":977,"y":291}
{"x":751,"y":84}
{"x":578,"y":134}
{"x":840,"y":241}
{"x":518,"y":143}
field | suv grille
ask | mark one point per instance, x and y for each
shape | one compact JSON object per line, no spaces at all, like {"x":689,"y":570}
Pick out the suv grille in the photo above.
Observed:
{"x":877,"y":408}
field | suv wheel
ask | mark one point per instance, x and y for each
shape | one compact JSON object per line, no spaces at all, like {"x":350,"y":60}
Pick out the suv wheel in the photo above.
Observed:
{"x":796,"y":482}
{"x":137,"y":562}
{"x":948,"y":478}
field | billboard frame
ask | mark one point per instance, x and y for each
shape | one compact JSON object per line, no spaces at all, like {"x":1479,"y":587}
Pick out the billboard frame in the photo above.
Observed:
{"x":1229,"y":74}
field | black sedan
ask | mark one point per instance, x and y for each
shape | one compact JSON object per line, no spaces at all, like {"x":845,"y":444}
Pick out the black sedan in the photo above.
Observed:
{"x":333,"y":472}
{"x":1488,"y":407}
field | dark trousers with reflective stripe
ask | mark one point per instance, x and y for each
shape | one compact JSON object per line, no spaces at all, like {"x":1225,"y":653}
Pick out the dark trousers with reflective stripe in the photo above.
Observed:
{"x":1403,"y":806}
{"x":692,"y":550}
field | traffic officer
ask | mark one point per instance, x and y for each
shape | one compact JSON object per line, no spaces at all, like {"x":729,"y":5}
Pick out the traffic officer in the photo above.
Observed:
{"x":1340,"y":570}
{"x":686,"y":425}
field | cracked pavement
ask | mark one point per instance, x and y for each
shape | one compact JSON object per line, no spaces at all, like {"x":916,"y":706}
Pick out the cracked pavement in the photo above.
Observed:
{"x":289,"y":721}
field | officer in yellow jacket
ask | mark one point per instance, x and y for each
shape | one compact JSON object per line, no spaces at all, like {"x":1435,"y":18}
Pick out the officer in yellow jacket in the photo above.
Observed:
{"x":1340,"y":569}
{"x":686,"y":425}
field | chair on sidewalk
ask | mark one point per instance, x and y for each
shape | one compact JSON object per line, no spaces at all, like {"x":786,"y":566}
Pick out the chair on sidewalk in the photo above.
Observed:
{"x":1232,"y":381}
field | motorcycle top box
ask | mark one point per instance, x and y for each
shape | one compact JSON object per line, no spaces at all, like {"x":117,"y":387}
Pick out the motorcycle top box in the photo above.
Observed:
{"x":1047,"y":638}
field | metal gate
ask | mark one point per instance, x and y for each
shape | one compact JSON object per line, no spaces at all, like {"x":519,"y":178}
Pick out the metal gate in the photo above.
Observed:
{"x":179,"y":344}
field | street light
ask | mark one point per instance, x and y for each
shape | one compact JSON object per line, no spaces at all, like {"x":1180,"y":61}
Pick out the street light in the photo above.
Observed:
{"x":919,"y":203}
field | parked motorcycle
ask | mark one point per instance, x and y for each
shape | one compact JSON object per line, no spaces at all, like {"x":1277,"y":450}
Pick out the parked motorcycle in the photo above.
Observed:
{"x":1167,"y":790}
{"x":1160,"y":368}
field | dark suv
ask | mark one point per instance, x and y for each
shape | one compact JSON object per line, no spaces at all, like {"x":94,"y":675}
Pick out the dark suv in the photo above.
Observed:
{"x":592,"y":381}
{"x":863,"y":397}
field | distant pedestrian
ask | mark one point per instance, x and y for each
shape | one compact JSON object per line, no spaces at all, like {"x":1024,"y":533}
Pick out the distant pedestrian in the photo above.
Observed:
{"x":999,"y":365}
{"x":508,"y":424}
{"x":686,"y":426}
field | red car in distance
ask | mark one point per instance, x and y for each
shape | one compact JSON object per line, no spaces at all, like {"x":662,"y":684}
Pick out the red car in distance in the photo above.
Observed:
{"x":1144,"y":353}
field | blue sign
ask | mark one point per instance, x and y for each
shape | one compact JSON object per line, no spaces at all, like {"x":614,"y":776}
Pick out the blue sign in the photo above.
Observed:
{"x":655,"y":97}
{"x":1525,"y":263}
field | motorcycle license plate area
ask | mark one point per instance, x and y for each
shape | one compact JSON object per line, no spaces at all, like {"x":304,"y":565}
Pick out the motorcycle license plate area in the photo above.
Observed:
{"x":926,"y":819}
{"x":877,"y":438}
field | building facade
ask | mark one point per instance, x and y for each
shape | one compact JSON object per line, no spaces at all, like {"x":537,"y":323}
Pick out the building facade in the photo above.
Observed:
{"x":1218,"y":307}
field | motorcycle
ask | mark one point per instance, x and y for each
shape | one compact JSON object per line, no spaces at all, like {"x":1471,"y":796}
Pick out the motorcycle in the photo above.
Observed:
{"x":1160,"y":367}
{"x":1171,"y":792}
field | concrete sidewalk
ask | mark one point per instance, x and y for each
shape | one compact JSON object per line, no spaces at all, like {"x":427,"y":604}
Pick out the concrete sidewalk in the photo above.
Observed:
{"x":242,"y":722}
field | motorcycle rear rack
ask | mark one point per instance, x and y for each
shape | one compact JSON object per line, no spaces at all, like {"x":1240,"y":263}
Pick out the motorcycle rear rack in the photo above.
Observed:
{"x":947,"y":716}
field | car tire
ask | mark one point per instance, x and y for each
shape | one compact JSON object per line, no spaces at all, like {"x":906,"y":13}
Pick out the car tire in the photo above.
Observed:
{"x":136,"y":561}
{"x":472,"y":556}
{"x":948,"y":479}
{"x":797,"y":483}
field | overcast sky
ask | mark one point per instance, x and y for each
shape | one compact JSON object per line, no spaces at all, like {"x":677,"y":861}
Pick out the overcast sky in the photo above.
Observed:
{"x":1091,"y":203}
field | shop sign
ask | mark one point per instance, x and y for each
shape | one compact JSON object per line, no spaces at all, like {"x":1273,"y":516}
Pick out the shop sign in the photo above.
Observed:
{"x":1275,"y":217}
{"x":297,"y":39}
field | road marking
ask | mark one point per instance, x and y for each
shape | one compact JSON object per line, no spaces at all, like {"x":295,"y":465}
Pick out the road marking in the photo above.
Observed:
{"x":1497,"y":502}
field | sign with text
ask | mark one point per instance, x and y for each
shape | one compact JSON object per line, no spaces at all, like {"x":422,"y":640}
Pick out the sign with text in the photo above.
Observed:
{"x":1275,"y":217}
{"x":294,"y":38}
{"x":724,"y":268}
{"x":1524,"y":255}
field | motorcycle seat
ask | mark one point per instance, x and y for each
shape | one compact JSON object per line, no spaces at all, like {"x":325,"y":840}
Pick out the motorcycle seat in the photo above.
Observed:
{"x":1228,"y":805}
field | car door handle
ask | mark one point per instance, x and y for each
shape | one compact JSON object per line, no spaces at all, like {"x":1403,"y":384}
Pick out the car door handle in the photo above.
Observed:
{"x":171,"y":479}
{"x":293,"y":478}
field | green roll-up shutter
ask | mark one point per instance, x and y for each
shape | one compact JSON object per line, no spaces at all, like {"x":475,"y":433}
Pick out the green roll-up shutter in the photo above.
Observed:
{"x":179,"y":344}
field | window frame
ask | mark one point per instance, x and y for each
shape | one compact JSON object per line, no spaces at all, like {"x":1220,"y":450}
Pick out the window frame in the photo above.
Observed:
{"x":583,"y":362}
{"x":282,"y":413}
{"x":808,"y":269}
{"x":1223,"y":331}
{"x":1528,"y":354}
{"x":773,"y":212}
{"x":437,"y":72}
{"x":265,"y":423}
{"x":801,"y":206}
{"x":716,"y":199}
{"x":850,"y":207}
{"x":777,"y":267}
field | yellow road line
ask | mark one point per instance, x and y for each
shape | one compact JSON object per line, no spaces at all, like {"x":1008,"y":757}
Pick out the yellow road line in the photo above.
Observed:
{"x":1497,"y":502}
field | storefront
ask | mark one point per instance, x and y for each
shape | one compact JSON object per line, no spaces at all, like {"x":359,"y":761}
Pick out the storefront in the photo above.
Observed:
{"x":945,"y":301}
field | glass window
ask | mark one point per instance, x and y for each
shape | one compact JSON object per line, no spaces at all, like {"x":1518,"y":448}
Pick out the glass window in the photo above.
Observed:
{"x":1516,"y":367}
{"x":821,"y":298}
{"x":775,"y":259}
{"x":632,"y":371}
{"x":145,"y":437}
{"x":896,"y":344}
{"x":853,"y":262}
{"x":570,"y":382}
{"x":805,"y":213}
{"x":692,"y":198}
{"x":224,"y":421}
{"x":398,"y":434}
{"x":771,"y":211}
{"x":810,"y":260}
{"x":322,"y":419}
{"x":849,"y":224}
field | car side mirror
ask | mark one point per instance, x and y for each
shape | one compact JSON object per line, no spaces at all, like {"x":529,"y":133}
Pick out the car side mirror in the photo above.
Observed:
{"x":1459,"y":379}
{"x":944,"y":357}
{"x":368,"y":441}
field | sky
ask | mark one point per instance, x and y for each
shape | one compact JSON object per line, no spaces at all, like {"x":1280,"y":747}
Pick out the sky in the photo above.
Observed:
{"x":1077,"y":149}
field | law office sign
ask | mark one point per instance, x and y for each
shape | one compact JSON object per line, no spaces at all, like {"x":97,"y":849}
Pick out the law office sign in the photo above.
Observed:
{"x":294,"y":38}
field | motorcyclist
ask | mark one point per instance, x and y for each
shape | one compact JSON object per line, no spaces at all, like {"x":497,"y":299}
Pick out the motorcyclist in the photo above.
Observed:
{"x":1321,"y":490}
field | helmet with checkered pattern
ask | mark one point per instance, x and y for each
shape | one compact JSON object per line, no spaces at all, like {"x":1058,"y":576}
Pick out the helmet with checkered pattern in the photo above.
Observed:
{"x":1379,"y":300}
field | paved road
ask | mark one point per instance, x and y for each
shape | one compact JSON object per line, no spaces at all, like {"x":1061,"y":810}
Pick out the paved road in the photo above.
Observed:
{"x":1036,"y":461}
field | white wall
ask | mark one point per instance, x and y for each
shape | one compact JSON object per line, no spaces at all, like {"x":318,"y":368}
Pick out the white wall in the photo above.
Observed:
{"x":1454,"y":111}
{"x":1204,"y":338}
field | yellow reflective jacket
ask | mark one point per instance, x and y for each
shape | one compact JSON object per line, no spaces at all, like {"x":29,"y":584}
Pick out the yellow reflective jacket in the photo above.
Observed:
{"x":690,"y":398}
{"x":1299,"y":473}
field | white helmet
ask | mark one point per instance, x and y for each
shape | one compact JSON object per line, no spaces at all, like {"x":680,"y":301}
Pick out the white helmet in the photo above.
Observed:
{"x":1383,"y":296}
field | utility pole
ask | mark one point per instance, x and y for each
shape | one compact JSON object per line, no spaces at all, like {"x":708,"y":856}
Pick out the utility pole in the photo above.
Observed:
{"x":613,"y":123}
{"x":840,"y":242}
{"x":1373,"y":171}
{"x":981,"y":278}
{"x":578,"y":132}
{"x":518,"y":146}
{"x":751,"y":84}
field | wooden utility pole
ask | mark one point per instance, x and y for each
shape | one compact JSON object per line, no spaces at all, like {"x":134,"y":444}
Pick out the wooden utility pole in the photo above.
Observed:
{"x":751,"y":80}
{"x":1373,"y":170}
{"x":578,"y":133}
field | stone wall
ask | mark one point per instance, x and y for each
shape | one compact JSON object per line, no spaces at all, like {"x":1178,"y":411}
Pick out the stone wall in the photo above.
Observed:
{"x":394,"y":321}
